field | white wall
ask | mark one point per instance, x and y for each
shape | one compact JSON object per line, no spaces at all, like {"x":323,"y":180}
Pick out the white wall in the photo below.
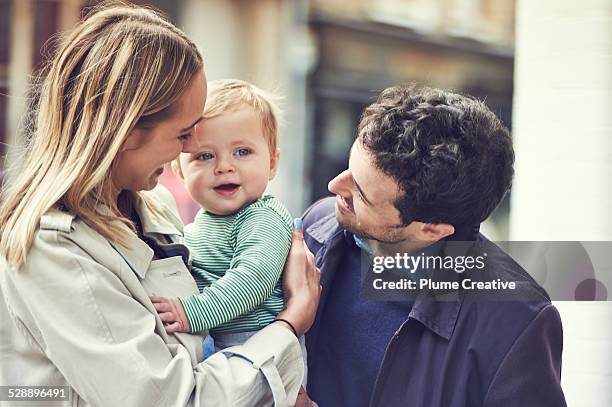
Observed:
{"x":563,"y":142}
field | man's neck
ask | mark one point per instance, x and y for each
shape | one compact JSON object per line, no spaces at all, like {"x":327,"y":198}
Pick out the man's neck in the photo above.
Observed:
{"x":391,"y":249}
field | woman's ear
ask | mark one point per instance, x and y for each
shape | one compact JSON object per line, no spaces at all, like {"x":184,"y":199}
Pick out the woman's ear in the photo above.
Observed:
{"x":134,"y":140}
{"x":274,"y":163}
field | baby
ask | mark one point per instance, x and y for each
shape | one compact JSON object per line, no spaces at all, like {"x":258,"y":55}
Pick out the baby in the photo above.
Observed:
{"x":240,"y":238}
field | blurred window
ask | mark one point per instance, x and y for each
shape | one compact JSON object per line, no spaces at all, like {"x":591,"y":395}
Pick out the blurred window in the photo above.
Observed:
{"x":464,"y":18}
{"x":336,"y":123}
{"x":420,"y":15}
{"x":5,"y":42}
{"x":5,"y":31}
{"x":46,"y":14}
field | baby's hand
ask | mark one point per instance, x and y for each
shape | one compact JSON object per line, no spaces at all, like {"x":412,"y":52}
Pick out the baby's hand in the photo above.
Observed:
{"x":171,"y":313}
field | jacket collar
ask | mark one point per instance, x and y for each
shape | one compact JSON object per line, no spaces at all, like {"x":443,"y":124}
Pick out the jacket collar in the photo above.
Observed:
{"x":135,"y":252}
{"x":438,"y":314}
{"x":152,"y":224}
{"x":323,"y":229}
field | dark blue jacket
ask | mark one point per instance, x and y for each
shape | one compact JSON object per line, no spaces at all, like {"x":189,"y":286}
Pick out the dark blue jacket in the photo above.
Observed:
{"x":461,"y":352}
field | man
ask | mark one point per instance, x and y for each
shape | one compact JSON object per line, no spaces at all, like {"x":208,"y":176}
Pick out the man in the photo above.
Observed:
{"x":427,"y":167}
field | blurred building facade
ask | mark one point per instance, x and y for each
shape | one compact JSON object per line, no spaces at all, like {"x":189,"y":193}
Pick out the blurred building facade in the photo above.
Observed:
{"x":327,"y":58}
{"x":365,"y":46}
{"x":330,"y":58}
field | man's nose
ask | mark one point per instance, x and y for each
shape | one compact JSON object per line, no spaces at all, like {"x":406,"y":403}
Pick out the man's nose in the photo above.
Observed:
{"x":339,"y":185}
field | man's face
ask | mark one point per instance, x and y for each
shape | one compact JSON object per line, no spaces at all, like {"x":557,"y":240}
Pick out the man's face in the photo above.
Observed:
{"x":364,"y":201}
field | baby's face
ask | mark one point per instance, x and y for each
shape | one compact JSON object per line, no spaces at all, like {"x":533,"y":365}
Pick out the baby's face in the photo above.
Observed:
{"x":233,"y":165}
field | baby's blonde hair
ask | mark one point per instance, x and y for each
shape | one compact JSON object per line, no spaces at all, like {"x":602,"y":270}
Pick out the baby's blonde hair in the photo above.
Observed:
{"x":225,"y":95}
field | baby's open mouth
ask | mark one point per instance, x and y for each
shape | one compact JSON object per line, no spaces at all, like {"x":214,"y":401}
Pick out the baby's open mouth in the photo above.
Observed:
{"x":226,"y":189}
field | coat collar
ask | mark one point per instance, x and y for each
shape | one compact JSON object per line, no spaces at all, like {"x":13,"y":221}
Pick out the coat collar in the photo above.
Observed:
{"x":135,"y":252}
{"x":153,"y":224}
{"x":438,"y":314}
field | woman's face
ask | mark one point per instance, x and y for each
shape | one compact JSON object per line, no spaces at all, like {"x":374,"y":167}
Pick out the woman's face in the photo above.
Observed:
{"x":144,"y":153}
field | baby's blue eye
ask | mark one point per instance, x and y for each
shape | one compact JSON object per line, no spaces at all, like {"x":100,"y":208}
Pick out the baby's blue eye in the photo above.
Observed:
{"x":206,"y":156}
{"x":241,"y":152}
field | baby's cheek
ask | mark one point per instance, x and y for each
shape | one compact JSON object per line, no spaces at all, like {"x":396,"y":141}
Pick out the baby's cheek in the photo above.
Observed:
{"x":194,"y":187}
{"x":260,"y":187}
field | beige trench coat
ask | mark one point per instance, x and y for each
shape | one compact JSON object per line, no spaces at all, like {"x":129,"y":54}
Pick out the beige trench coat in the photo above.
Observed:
{"x":78,"y":315}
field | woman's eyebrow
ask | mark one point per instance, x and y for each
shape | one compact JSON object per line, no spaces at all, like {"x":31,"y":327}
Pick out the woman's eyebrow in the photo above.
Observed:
{"x":194,"y":123}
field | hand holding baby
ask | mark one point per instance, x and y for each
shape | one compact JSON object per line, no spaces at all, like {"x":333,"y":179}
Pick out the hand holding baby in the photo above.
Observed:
{"x":171,"y":313}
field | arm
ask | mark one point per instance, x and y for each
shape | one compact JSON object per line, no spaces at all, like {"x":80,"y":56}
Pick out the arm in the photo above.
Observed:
{"x":103,"y":341}
{"x":530,"y":374}
{"x":262,"y":244}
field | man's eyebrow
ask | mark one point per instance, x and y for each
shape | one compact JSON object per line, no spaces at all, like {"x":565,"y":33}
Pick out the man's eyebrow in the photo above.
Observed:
{"x":190,"y":127}
{"x":361,"y":192}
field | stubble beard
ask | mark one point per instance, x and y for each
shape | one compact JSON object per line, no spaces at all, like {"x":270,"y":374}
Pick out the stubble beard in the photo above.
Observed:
{"x":355,"y":229}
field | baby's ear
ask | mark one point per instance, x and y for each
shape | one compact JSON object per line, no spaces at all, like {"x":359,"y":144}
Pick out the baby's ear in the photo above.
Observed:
{"x":274,"y":163}
{"x":176,"y":169}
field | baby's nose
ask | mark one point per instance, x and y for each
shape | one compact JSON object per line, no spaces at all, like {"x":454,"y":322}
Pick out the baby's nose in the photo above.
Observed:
{"x":223,"y":165}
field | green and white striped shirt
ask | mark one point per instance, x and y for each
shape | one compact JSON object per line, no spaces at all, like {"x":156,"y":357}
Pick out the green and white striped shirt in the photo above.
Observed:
{"x":237,"y":264}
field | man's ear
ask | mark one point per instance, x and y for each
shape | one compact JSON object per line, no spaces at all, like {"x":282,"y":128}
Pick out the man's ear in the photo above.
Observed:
{"x":274,"y":163}
{"x":176,"y":169}
{"x":432,"y":232}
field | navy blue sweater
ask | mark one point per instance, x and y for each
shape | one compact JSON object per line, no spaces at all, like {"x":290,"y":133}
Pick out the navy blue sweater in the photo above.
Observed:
{"x":354,"y":336}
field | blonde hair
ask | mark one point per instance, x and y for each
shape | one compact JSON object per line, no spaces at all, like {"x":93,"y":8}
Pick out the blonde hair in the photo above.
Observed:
{"x":229,"y":94}
{"x":122,"y":67}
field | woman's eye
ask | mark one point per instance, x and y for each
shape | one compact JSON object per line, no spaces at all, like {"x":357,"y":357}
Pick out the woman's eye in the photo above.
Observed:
{"x":205,"y":156}
{"x":241,"y":152}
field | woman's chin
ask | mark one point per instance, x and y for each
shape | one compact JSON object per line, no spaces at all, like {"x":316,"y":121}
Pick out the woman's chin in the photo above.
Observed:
{"x":150,"y":183}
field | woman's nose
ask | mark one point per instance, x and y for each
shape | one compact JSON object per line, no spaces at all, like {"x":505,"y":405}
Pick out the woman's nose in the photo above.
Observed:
{"x":191,"y":145}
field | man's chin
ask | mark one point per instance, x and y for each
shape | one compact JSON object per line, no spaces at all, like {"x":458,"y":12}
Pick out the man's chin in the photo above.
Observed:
{"x":350,"y":226}
{"x":345,"y":223}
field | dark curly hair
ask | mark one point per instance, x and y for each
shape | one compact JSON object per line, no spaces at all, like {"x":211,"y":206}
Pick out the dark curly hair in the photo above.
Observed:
{"x":450,"y":155}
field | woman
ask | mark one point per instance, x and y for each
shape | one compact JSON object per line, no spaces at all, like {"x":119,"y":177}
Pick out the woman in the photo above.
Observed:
{"x":83,"y":247}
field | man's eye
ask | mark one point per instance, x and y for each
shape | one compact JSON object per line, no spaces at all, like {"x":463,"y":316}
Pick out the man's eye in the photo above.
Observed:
{"x":241,"y":152}
{"x":358,"y":193}
{"x":205,"y":156}
{"x":184,"y":137}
